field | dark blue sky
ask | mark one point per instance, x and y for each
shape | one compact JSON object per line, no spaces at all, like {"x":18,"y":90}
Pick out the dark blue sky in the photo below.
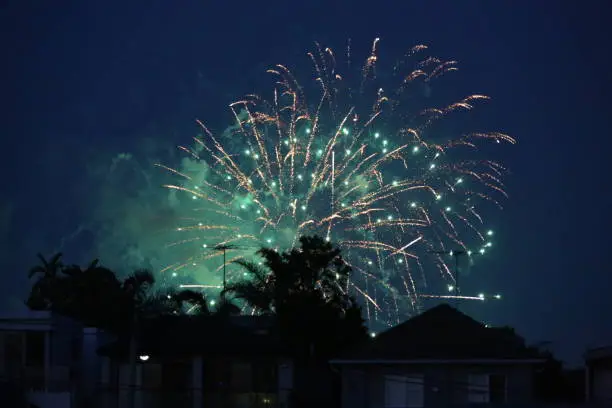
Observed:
{"x":83,"y":81}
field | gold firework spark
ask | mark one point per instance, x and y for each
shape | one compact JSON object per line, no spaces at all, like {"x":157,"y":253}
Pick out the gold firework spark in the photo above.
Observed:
{"x":360,"y":165}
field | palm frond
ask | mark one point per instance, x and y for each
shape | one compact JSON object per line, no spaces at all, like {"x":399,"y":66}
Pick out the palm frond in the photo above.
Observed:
{"x":55,"y":259}
{"x":35,"y":270}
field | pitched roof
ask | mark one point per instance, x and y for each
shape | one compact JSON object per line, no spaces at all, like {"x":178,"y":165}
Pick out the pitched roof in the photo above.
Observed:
{"x":441,"y":333}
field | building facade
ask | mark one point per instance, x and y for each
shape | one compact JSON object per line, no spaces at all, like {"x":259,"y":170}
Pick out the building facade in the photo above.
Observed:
{"x":189,"y":362}
{"x":37,"y":356}
{"x":598,"y":376}
{"x":441,"y":358}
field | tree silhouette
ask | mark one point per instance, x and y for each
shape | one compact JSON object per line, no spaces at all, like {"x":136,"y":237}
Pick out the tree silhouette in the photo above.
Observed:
{"x":95,"y":296}
{"x":47,"y":272}
{"x":306,"y":288}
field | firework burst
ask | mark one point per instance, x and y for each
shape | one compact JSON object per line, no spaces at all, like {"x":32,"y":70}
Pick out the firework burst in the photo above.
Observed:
{"x":353,"y":161}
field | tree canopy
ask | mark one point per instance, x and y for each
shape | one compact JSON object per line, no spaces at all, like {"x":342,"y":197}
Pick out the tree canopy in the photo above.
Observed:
{"x":95,"y":295}
{"x":307,"y":289}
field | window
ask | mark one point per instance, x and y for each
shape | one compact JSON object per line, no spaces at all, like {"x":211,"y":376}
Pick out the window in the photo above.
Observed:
{"x":13,"y":353}
{"x":176,"y":375}
{"x":241,"y":376}
{"x":404,"y":391}
{"x":497,"y":388}
{"x":487,"y":388}
{"x":265,"y":377}
{"x":151,"y":375}
{"x":478,"y":388}
{"x":76,"y":347}
{"x":216,"y":375}
{"x":35,"y":349}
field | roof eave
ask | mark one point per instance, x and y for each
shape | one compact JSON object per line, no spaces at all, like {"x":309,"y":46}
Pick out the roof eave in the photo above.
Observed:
{"x":438,"y":361}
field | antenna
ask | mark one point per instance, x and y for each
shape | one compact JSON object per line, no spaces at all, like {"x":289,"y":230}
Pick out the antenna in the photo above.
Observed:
{"x":456,"y":254}
{"x":224,"y":248}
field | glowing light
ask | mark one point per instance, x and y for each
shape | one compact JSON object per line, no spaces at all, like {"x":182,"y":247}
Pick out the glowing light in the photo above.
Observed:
{"x":144,"y":358}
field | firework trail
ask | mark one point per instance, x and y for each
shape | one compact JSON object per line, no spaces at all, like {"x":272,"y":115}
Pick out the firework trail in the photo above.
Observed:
{"x":351,"y":160}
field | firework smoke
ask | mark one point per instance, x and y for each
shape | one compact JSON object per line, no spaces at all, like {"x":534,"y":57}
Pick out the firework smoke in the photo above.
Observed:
{"x":357,"y":161}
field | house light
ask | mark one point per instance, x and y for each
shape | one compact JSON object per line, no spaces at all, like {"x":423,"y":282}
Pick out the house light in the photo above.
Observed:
{"x":143,"y":357}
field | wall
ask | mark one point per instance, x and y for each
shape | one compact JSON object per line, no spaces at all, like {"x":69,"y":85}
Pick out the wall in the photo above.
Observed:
{"x":150,"y":392}
{"x":363,"y":387}
{"x":50,"y":400}
{"x":600,"y":378}
{"x":70,"y":359}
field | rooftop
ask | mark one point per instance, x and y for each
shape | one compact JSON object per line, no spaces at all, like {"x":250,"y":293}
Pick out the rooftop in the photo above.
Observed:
{"x":441,"y":333}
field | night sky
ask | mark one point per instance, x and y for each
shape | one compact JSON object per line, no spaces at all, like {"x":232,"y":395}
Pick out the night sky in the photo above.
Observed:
{"x":84,"y":81}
